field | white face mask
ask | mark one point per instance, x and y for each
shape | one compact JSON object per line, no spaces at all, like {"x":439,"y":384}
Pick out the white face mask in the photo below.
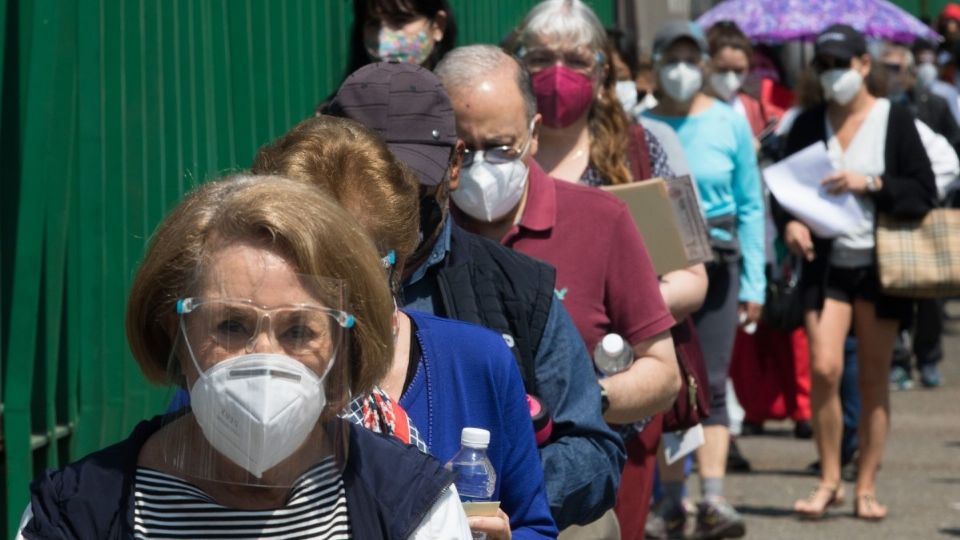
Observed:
{"x":258,"y":409}
{"x":726,"y":84}
{"x":926,"y":74}
{"x":488,"y":191}
{"x":841,"y":85}
{"x":627,"y":94}
{"x":681,"y":80}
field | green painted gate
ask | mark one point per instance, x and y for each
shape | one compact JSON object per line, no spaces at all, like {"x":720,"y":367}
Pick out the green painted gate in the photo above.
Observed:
{"x":111,"y":109}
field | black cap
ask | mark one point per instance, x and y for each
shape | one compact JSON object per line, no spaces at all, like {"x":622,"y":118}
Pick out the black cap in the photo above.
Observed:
{"x":840,"y":41}
{"x":408,"y":106}
{"x":672,"y":31}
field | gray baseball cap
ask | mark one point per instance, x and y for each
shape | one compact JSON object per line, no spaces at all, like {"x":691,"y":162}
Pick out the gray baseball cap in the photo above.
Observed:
{"x":671,"y":31}
{"x":408,"y":106}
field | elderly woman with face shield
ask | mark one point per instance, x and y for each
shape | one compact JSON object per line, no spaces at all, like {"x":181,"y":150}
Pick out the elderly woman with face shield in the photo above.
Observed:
{"x":260,"y":296}
{"x":723,"y":163}
{"x":878,"y":156}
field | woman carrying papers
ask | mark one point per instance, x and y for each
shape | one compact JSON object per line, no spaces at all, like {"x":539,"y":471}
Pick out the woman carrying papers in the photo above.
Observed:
{"x":877,"y":156}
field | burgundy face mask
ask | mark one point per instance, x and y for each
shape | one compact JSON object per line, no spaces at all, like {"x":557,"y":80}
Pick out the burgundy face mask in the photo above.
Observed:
{"x":563,"y":95}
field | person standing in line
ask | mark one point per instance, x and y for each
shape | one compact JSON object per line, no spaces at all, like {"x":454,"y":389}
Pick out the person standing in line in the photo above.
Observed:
{"x":411,"y":31}
{"x":262,"y":451}
{"x":456,"y":274}
{"x":587,"y":138}
{"x":928,"y":75}
{"x":729,"y":183}
{"x":933,"y":111}
{"x":878,"y":157}
{"x":729,"y":67}
{"x":438,"y":365}
{"x":506,"y":196}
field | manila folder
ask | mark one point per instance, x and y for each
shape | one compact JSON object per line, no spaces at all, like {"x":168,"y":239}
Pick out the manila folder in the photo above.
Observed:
{"x":672,"y":227}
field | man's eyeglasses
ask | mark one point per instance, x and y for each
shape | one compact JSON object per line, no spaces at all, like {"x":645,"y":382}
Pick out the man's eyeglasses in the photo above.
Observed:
{"x":499,"y":154}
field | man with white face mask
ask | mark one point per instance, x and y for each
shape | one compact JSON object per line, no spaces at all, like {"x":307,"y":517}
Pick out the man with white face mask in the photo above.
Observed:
{"x":604,"y":274}
{"x":928,"y":75}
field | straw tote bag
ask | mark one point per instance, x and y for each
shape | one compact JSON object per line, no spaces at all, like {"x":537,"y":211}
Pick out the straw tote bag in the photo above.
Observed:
{"x":920,"y":258}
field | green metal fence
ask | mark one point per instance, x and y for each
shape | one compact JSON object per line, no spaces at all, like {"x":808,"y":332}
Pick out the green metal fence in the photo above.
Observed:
{"x":111,"y":109}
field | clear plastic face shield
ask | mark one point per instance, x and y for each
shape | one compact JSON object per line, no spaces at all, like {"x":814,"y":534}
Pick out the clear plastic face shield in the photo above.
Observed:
{"x":263,"y":354}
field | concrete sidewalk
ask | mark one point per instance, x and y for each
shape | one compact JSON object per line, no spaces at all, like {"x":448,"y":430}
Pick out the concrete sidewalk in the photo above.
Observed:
{"x":919,"y":481}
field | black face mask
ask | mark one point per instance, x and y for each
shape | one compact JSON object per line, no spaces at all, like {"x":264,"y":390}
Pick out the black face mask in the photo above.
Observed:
{"x":433,"y":212}
{"x":431,"y":218}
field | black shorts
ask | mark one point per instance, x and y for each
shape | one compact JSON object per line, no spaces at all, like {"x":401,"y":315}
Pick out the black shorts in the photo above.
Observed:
{"x":850,"y":284}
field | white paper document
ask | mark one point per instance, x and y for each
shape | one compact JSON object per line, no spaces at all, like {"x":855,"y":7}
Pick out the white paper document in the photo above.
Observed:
{"x":678,"y":444}
{"x":796,"y":183}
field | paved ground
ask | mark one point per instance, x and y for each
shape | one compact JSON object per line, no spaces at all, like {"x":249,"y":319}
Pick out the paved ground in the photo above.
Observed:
{"x":920,"y":479}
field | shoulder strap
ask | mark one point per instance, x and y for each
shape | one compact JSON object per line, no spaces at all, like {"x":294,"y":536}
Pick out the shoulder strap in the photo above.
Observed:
{"x":640,"y":166}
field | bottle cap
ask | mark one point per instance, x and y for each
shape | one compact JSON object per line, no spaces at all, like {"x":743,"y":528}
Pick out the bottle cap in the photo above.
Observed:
{"x":475,"y":437}
{"x":612,"y":344}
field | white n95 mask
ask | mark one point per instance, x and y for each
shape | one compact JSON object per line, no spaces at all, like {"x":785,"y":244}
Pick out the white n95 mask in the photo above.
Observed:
{"x":627,"y":94}
{"x":258,"y":409}
{"x":926,"y":74}
{"x":841,"y":85}
{"x":681,"y":80}
{"x":488,"y":191}
{"x":726,"y":84}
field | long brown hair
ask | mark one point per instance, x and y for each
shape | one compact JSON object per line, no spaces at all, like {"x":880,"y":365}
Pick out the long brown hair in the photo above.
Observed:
{"x":609,"y":128}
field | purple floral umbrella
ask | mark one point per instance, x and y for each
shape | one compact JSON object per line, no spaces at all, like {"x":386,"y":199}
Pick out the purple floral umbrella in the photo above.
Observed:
{"x":776,"y":21}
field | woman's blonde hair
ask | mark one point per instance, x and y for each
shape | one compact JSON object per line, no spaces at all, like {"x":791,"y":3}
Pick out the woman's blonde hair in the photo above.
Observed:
{"x":574,"y":23}
{"x":298,"y":222}
{"x":352,"y":163}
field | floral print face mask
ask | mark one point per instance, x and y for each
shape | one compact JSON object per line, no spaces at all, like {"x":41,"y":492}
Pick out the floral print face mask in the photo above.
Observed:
{"x":398,"y":46}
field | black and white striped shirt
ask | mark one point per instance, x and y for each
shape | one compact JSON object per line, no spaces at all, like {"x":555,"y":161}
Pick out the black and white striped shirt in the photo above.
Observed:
{"x":167,"y":507}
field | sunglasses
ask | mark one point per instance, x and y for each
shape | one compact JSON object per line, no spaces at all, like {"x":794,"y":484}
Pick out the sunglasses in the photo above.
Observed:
{"x":826,"y":63}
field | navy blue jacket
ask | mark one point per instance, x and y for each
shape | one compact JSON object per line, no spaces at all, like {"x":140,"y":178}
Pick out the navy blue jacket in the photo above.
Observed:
{"x":390,"y":488}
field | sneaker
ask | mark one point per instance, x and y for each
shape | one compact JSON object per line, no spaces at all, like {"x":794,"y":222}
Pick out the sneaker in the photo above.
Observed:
{"x":667,"y":521}
{"x":717,"y":519}
{"x":900,"y":379}
{"x":803,"y":430}
{"x":930,"y":376}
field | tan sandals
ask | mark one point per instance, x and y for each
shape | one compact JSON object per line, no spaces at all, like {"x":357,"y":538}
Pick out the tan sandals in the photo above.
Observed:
{"x":820,"y":499}
{"x":867,"y":508}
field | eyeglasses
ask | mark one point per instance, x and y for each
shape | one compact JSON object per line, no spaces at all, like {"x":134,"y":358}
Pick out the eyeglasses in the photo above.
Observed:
{"x":223,"y":328}
{"x":540,"y":58}
{"x":499,"y":154}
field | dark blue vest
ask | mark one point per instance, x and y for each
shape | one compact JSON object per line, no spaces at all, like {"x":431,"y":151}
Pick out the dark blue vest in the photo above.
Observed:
{"x":390,"y":488}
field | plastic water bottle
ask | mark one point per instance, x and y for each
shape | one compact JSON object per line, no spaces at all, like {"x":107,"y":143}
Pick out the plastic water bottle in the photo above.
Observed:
{"x":475,"y":477}
{"x":612,"y":355}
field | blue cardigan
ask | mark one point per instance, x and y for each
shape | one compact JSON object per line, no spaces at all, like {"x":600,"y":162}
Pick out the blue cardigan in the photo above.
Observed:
{"x":467,"y":377}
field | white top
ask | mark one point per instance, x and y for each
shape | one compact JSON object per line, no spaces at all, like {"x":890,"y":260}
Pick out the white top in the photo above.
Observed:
{"x":864,"y":155}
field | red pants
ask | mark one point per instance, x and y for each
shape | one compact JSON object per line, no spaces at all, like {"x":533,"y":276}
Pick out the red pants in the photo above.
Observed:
{"x":771,"y":374}
{"x":636,"y":483}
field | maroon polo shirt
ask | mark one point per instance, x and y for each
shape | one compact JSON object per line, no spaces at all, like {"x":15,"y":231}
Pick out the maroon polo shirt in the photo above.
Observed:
{"x":604,"y":274}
